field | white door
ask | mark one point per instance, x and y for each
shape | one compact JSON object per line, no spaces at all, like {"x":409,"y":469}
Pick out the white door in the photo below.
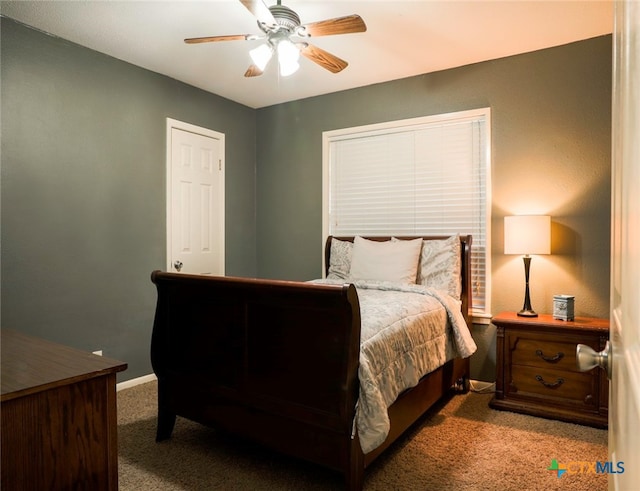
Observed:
{"x":624,"y":407}
{"x":195,"y":199}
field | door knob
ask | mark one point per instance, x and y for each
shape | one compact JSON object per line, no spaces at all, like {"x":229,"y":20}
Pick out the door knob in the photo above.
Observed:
{"x":587,"y":358}
{"x":177,"y":265}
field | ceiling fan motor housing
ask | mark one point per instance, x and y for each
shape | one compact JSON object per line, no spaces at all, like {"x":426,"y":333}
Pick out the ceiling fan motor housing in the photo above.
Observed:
{"x":285,"y":17}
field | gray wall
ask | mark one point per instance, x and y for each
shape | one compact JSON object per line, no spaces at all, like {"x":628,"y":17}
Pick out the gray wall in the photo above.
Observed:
{"x":83,"y":191}
{"x":83,"y":142}
{"x":551,"y":146}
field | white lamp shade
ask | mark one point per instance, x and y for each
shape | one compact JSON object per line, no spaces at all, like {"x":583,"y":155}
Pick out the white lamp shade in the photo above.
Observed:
{"x":527,"y":234}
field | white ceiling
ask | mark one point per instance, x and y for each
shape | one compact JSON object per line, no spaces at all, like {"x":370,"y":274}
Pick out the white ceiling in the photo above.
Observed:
{"x":403,"y":38}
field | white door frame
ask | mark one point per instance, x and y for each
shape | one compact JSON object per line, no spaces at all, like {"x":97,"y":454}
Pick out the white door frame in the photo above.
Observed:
{"x":198,"y":130}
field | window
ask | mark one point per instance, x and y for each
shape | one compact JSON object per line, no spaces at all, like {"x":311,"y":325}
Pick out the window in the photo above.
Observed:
{"x":422,"y":176}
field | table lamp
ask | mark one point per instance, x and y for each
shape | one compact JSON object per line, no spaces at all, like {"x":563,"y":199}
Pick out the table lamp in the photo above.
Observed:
{"x":527,"y":234}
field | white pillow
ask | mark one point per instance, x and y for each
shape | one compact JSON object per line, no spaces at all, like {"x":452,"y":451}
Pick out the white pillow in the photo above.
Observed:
{"x":440,"y":265}
{"x":395,"y":261}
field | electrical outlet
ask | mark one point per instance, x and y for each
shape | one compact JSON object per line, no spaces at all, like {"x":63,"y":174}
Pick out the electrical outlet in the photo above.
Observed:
{"x":99,"y":352}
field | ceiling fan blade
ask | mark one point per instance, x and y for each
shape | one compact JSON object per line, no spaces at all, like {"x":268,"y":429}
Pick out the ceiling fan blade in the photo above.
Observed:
{"x":212,"y":39}
{"x":253,"y":71}
{"x":260,"y":10}
{"x":323,"y":58}
{"x":339,"y":25}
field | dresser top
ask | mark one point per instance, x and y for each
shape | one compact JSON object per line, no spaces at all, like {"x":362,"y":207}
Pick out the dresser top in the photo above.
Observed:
{"x":31,"y":364}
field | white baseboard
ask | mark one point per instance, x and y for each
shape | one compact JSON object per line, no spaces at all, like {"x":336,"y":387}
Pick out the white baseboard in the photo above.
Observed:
{"x":476,"y":385}
{"x":127,"y":384}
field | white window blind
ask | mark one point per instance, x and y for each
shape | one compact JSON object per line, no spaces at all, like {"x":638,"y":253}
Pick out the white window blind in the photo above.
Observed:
{"x":426,"y":176}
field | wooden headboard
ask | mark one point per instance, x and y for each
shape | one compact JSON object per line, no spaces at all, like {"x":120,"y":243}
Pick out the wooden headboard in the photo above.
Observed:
{"x":465,"y":270}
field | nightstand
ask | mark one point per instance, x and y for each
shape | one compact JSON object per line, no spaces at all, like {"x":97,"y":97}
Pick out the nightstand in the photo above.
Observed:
{"x":536,"y":369}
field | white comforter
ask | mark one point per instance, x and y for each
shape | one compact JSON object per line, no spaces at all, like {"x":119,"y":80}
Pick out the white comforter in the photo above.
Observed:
{"x":403,"y":337}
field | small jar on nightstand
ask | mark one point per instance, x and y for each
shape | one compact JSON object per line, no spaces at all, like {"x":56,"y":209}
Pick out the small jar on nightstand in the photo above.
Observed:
{"x":536,"y":370}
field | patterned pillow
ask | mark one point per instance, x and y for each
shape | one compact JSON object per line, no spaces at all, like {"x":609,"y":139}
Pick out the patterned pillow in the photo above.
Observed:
{"x":340,"y":259}
{"x":440,"y":265}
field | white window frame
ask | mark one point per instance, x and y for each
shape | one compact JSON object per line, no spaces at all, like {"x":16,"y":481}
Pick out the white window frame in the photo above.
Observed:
{"x":328,"y":137}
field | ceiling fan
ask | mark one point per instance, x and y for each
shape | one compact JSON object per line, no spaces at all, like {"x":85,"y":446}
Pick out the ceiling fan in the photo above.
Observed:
{"x":285,"y":35}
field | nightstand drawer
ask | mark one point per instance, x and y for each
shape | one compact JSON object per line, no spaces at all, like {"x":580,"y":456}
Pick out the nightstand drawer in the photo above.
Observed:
{"x":562,"y":387}
{"x":544,"y":351}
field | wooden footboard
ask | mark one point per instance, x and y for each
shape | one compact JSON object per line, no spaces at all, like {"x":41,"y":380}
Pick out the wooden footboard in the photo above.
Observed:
{"x":275,"y":361}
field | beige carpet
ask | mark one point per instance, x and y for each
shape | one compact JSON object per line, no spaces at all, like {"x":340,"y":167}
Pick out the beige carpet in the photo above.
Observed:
{"x":461,"y":445}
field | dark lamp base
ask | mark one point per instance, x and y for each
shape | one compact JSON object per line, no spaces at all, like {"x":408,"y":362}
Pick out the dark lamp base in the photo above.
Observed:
{"x":527,"y":313}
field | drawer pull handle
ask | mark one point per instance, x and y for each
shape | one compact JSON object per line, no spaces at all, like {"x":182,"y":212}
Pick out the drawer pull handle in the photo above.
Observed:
{"x":551,"y":359}
{"x":551,"y":385}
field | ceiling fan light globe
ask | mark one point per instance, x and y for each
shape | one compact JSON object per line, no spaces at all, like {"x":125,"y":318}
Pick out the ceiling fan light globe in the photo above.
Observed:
{"x":261,"y":55}
{"x":288,"y":52}
{"x":288,"y":56}
{"x":288,"y":68}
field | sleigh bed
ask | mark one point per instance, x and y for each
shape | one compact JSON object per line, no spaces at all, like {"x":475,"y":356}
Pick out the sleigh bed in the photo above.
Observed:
{"x":295,"y":365}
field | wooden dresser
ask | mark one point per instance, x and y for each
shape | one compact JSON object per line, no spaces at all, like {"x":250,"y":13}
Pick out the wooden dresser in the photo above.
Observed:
{"x":536,"y":369}
{"x":58,"y":412}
